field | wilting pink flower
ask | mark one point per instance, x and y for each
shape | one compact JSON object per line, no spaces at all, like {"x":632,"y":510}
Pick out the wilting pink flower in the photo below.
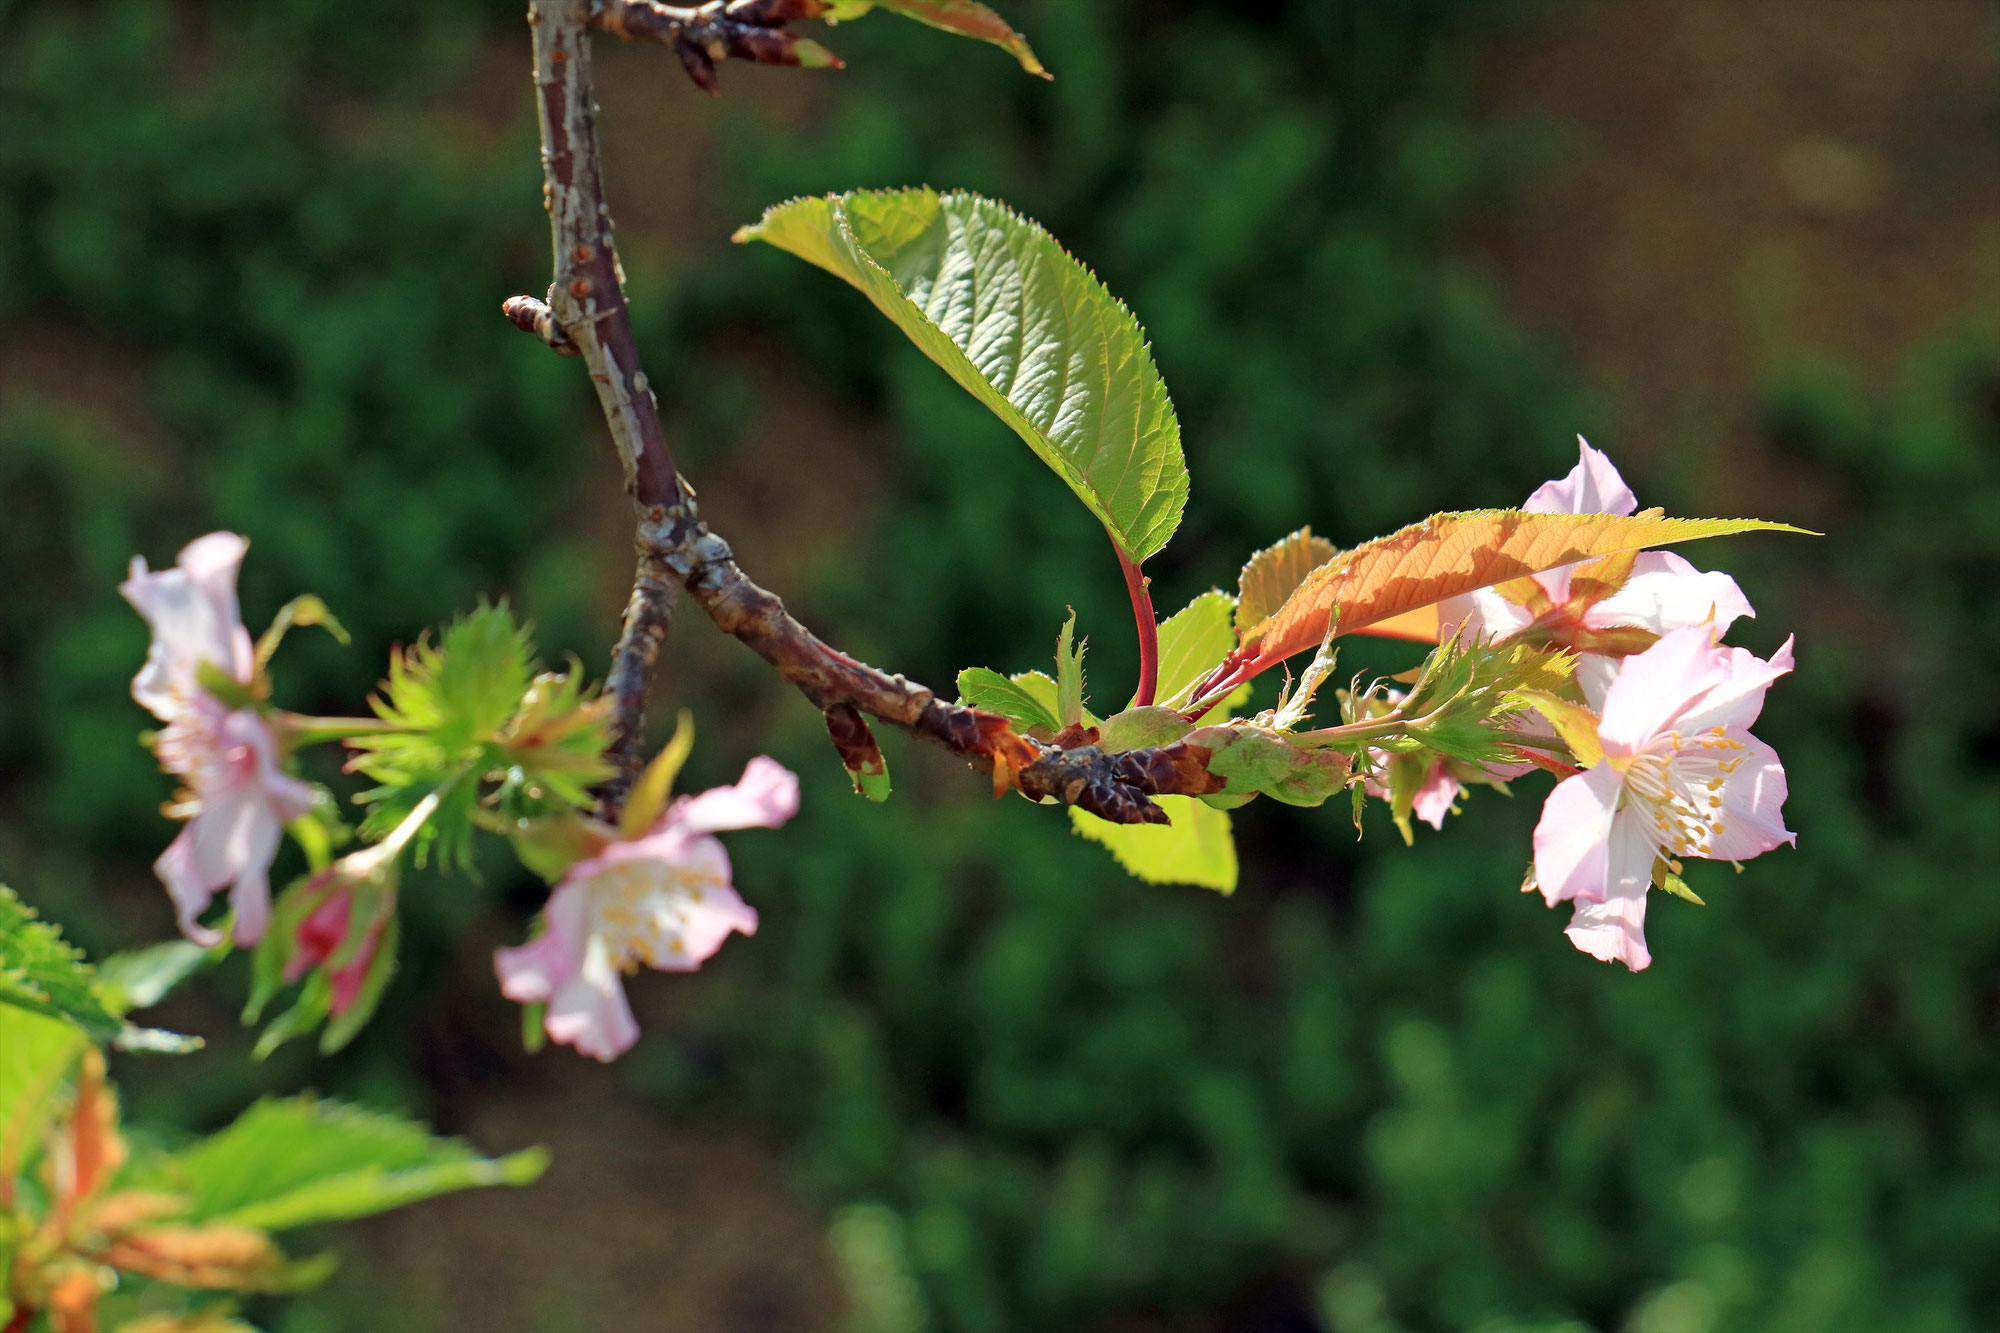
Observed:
{"x":1681,"y":776}
{"x":1663,"y":592}
{"x":663,"y":898}
{"x":236,"y":800}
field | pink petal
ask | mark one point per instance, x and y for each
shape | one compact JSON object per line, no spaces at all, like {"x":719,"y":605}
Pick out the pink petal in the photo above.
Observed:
{"x":1655,"y":687}
{"x":1481,"y":616}
{"x":1435,"y":798}
{"x":1593,"y":486}
{"x":590,"y":1011}
{"x":1666,"y":593}
{"x":1572,"y":840}
{"x":766,"y":796}
{"x":1614,"y":929}
{"x":193,"y":613}
{"x":1753,"y":799}
{"x":250,"y":901}
{"x":699,"y":920}
{"x":535,"y":971}
{"x":1737,"y":697}
{"x":188,"y":889}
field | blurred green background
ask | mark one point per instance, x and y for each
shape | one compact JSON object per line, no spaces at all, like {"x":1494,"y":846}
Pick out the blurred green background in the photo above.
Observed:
{"x":1392,"y":254}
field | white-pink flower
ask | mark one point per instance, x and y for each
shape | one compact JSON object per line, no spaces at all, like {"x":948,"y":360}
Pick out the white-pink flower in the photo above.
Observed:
{"x":1662,"y":593}
{"x":663,"y":898}
{"x":1681,"y":775}
{"x":237,"y":799}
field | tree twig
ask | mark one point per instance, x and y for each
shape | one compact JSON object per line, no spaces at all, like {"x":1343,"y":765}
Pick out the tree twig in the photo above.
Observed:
{"x":586,"y":308}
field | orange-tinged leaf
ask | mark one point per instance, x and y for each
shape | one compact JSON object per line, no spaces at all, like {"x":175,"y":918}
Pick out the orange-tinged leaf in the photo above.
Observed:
{"x":968,"y":18}
{"x":1273,"y":574}
{"x":1419,"y":626}
{"x":1450,"y":554}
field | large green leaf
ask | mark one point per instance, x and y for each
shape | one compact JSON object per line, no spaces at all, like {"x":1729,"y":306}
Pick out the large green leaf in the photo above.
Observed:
{"x":36,"y":1054}
{"x":1193,"y":640}
{"x":42,"y":972}
{"x":288,"y":1163}
{"x":1024,"y":327}
{"x":1196,"y":848}
{"x":965,"y":17}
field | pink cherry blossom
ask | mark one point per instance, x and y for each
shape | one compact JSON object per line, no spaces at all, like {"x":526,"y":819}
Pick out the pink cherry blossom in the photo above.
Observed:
{"x":237,"y":799}
{"x":663,"y":898}
{"x":1663,"y":592}
{"x":1681,"y":776}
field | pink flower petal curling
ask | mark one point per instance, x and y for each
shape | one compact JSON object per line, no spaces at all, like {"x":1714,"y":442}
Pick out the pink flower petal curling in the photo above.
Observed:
{"x":192,"y":611}
{"x":1665,"y":592}
{"x":1593,"y":486}
{"x":532,"y":973}
{"x":590,"y":1011}
{"x":764,"y":797}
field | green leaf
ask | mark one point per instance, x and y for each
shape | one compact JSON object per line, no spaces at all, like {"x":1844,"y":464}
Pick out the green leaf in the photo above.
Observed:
{"x":36,"y":1054}
{"x":1193,"y":640}
{"x":1069,"y":674}
{"x":293,"y":1162}
{"x":965,"y":17}
{"x":143,"y":977}
{"x":42,"y":972}
{"x":1196,"y":848}
{"x":1023,"y":327}
{"x":983,"y":687}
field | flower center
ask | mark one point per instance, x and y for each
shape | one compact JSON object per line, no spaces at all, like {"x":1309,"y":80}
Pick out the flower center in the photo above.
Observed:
{"x":1677,"y":785}
{"x":644,"y":910}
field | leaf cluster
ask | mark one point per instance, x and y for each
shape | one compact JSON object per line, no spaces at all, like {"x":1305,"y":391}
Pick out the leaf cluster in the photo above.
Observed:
{"x":470,"y":719}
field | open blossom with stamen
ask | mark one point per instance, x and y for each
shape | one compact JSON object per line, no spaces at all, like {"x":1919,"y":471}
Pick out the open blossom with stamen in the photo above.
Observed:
{"x":1662,"y":591}
{"x":1681,"y":776}
{"x":663,"y":898}
{"x":237,"y":799}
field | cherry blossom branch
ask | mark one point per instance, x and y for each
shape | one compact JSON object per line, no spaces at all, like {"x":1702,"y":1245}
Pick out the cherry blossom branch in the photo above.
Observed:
{"x":586,"y":312}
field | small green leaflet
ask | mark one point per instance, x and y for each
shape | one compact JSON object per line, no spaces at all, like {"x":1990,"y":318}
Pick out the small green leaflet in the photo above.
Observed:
{"x":1069,"y":675}
{"x":1026,"y":708}
{"x":293,"y":1162}
{"x":42,"y":972}
{"x":965,"y":17}
{"x":1196,"y":848}
{"x":1023,"y":327}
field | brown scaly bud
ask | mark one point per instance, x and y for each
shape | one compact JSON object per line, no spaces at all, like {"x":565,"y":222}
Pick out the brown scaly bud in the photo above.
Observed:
{"x":858,"y":751}
{"x":533,"y":316}
{"x":699,"y":66}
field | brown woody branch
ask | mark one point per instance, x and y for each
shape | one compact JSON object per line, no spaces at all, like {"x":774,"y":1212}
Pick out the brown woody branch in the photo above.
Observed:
{"x":587,"y":309}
